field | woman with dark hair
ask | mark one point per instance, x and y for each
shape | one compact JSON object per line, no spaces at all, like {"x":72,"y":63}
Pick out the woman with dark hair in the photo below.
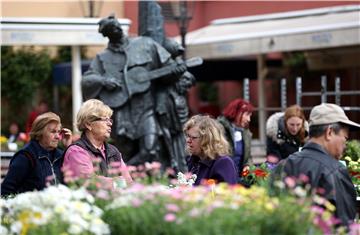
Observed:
{"x":286,"y":132}
{"x":235,"y":119}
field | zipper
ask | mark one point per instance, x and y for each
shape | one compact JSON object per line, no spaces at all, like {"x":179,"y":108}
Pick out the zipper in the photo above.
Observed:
{"x":52,"y":167}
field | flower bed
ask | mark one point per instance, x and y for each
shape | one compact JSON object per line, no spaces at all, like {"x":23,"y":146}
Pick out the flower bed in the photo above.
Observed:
{"x":158,"y":209}
{"x":56,"y":210}
{"x":174,"y":207}
{"x":219,"y":209}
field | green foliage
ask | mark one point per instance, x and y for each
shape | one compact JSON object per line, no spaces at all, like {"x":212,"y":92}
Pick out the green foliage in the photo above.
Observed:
{"x":208,"y":92}
{"x":64,"y":54}
{"x":295,"y":60}
{"x":22,"y":73}
{"x":352,"y":150}
{"x":352,"y":159}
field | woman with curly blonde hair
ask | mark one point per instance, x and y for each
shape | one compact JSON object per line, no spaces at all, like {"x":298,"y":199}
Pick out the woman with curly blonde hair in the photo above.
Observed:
{"x":209,"y":150}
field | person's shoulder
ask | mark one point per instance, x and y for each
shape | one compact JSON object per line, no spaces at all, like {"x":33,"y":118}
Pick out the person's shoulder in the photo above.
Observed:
{"x":272,"y":125}
{"x":223,"y":159}
{"x":313,"y":157}
{"x":224,"y":121}
{"x":75,"y":149}
{"x":141,"y":40}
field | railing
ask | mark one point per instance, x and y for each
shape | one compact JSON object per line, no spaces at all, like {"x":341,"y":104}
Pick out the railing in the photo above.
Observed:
{"x":5,"y":161}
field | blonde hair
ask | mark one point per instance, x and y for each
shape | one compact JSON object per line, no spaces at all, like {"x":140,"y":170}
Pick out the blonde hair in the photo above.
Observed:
{"x":90,"y":111}
{"x":40,"y":122}
{"x":212,"y":140}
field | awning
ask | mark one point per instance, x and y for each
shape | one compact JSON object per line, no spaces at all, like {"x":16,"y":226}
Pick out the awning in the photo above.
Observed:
{"x":74,"y":32}
{"x":291,"y":31}
{"x":53,"y":31}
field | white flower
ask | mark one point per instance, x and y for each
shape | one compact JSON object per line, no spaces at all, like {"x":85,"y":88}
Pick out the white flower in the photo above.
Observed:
{"x":3,"y":230}
{"x":183,"y":180}
{"x":74,"y":229}
{"x":16,"y":227}
{"x":73,"y":207}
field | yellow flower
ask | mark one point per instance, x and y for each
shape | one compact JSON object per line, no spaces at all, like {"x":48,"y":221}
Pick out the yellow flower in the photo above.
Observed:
{"x":347,"y":158}
{"x":329,"y":206}
{"x":3,"y":139}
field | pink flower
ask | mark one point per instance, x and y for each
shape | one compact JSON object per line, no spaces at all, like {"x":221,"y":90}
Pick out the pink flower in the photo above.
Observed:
{"x":136,"y":202}
{"x":23,"y":137}
{"x":115,"y":164}
{"x":354,"y":229}
{"x":156,"y":165}
{"x":170,"y":171}
{"x":172,"y":207}
{"x":304,"y":178}
{"x":170,"y":217}
{"x":290,"y":182}
{"x":195,"y":212}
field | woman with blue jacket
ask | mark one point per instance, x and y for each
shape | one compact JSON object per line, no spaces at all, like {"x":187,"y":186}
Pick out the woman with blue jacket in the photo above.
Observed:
{"x":39,"y":162}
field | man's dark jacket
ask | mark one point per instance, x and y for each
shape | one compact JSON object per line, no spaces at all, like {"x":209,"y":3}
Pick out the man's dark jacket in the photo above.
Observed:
{"x":324,"y":172}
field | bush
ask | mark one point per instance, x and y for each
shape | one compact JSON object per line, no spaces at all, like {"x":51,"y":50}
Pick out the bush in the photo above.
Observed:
{"x":23,"y":72}
{"x":352,"y":159}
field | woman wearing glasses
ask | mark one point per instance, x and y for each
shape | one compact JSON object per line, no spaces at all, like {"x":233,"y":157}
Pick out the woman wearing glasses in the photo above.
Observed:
{"x":93,"y":120}
{"x":209,"y":151}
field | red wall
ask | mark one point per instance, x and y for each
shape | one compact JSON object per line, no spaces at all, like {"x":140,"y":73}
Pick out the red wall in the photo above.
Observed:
{"x":206,"y":11}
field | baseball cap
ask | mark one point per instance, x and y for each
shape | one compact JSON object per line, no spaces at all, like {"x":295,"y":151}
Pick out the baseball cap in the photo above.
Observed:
{"x":327,"y":113}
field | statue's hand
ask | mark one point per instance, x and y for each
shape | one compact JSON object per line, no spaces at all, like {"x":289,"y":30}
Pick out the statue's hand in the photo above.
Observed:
{"x":179,"y":69}
{"x":110,"y":83}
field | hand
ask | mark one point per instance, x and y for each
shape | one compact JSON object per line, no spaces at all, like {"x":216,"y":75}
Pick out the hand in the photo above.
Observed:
{"x":67,"y":137}
{"x":179,"y":69}
{"x":111,"y":83}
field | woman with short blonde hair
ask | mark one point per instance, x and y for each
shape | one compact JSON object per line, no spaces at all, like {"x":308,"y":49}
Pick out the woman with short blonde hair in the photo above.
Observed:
{"x":94,"y":120}
{"x":90,"y":111}
{"x":209,"y":150}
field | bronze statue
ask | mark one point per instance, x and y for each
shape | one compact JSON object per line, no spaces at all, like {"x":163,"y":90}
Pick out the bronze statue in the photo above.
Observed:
{"x":129,"y":76}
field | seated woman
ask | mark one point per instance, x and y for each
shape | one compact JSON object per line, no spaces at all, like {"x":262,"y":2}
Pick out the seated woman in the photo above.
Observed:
{"x":93,"y":120}
{"x":286,"y":133}
{"x":209,"y":151}
{"x":38,"y":163}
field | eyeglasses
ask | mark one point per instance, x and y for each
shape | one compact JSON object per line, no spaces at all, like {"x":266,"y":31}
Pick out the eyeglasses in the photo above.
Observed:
{"x":192,"y":138}
{"x":104,"y":119}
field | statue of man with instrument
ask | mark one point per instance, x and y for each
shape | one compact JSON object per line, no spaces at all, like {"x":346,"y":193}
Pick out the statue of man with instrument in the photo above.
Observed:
{"x":124,"y":77}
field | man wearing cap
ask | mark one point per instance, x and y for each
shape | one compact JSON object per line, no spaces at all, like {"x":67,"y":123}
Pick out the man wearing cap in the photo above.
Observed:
{"x":319,"y":160}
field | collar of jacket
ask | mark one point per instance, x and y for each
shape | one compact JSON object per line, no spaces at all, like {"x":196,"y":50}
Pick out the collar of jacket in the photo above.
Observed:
{"x":315,"y":146}
{"x":119,"y":47}
{"x":38,"y":151}
{"x":88,"y":145}
{"x":206,"y":162}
